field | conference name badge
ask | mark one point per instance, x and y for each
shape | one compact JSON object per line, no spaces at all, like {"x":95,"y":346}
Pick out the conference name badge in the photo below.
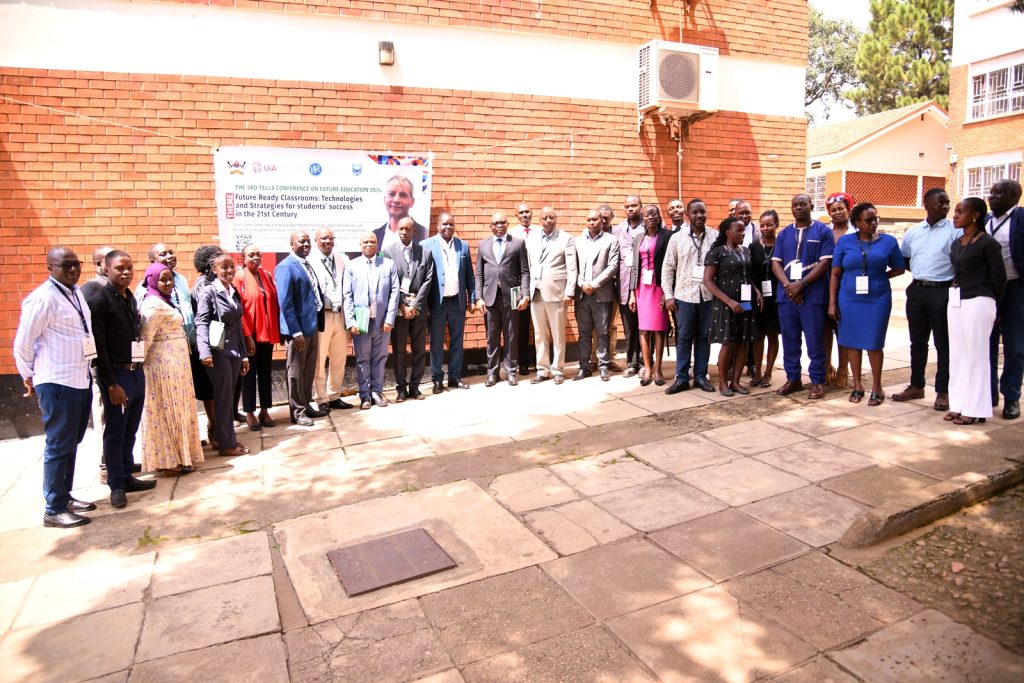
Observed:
{"x":406,"y":284}
{"x":648,"y":276}
{"x":745,"y":292}
{"x":796,"y":270}
{"x":766,"y":287}
{"x":697,"y":273}
{"x":862,"y":284}
{"x":138,"y":351}
{"x":88,"y":347}
{"x":954,"y":297}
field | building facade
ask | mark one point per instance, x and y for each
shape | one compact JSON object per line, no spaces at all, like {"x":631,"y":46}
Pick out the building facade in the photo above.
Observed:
{"x":986,"y":97}
{"x":110,"y":110}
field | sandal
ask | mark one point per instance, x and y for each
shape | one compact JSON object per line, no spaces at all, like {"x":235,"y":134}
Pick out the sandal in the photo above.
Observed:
{"x":238,"y":450}
{"x":950,"y":417}
{"x":755,"y":381}
{"x":766,"y":380}
{"x":876,"y":399}
{"x":968,"y":420}
{"x":856,"y":395}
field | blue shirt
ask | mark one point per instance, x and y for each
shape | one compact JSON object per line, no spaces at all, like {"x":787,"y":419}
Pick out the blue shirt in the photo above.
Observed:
{"x":815,"y":244}
{"x":927,"y":247}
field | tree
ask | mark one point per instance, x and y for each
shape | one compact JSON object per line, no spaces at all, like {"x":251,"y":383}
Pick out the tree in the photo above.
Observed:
{"x":831,"y":55}
{"x":904,"y":57}
{"x":1018,"y":6}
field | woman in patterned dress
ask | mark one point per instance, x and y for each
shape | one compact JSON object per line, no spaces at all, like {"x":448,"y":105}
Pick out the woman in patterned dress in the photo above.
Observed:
{"x":170,"y":426}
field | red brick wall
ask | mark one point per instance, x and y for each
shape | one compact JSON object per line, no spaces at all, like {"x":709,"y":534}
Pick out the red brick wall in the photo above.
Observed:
{"x":764,"y":29}
{"x":87,"y":181}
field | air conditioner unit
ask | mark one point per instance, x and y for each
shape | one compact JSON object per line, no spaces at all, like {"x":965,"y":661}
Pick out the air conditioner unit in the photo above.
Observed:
{"x":677,"y":78}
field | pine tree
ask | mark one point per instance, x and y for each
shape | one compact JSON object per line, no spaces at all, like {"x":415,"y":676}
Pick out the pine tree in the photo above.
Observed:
{"x":904,"y":56}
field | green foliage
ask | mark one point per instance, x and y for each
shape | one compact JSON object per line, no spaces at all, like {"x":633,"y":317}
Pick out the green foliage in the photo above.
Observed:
{"x":904,"y":56}
{"x":831,"y":59}
{"x":1017,"y":6}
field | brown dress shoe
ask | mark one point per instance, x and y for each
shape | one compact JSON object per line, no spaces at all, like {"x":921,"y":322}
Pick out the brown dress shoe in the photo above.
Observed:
{"x":817,"y":391}
{"x":941,"y":402}
{"x":911,"y":393}
{"x":790,"y":387}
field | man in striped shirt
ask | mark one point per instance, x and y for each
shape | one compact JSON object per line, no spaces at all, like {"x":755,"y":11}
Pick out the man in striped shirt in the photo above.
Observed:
{"x":53,"y":348}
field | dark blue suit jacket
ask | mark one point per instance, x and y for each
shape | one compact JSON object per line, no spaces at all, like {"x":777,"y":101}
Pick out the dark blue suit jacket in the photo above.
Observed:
{"x":467,"y":282}
{"x":297,"y":300}
{"x":1016,"y":225}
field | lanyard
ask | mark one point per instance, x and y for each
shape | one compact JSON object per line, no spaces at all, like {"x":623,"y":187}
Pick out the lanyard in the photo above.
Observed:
{"x":956,"y":255}
{"x":766,"y":269}
{"x":133,"y":318}
{"x":698,"y":245}
{"x":73,"y":300}
{"x":799,"y":240}
{"x":743,"y":256}
{"x":993,"y":228}
{"x":864,"y":257}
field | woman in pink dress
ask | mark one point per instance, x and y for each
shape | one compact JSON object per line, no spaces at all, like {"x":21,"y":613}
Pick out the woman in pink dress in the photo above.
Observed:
{"x":646,"y":296}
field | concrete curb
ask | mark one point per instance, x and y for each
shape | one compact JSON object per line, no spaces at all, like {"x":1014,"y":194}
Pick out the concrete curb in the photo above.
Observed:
{"x":929,"y":504}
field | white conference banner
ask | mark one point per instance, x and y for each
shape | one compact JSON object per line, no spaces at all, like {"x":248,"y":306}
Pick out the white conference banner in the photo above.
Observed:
{"x":266,"y":193}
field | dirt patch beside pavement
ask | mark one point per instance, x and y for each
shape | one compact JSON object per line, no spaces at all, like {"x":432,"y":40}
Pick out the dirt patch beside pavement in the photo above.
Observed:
{"x":970,"y":566}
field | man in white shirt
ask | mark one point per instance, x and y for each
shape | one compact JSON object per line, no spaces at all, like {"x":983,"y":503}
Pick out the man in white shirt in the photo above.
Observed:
{"x":527,"y":351}
{"x":53,"y":349}
{"x":452,"y":295}
{"x":332,"y":345}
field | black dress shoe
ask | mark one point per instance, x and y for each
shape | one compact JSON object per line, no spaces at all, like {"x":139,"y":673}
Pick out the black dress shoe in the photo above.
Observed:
{"x":139,"y":485}
{"x":136,"y":467}
{"x":491,"y":381}
{"x":118,"y":499}
{"x":512,"y":380}
{"x":312,"y":412}
{"x":365,"y":405}
{"x":338,"y":404}
{"x":524,"y":370}
{"x":302,"y":421}
{"x":80,"y":506}
{"x":604,"y":374}
{"x":401,"y":396}
{"x":677,"y":387}
{"x":457,"y":384}
{"x":582,"y":374}
{"x":66,"y":519}
{"x":438,"y":387}
{"x":416,"y":394}
{"x":239,"y":417}
{"x":1011,"y":410}
{"x":704,"y":385}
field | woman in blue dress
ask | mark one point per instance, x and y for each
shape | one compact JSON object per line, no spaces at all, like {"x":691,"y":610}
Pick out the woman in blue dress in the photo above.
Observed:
{"x":860,"y":298}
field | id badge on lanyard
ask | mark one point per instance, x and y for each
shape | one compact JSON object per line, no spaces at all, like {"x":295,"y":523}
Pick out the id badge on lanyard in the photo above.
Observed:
{"x":746,"y":292}
{"x":648,"y":276}
{"x":862,"y":284}
{"x":138,"y":351}
{"x":766,"y":287}
{"x":89,"y":347}
{"x":697,"y":273}
{"x":954,"y":297}
{"x":406,"y":283}
{"x":796,"y":270}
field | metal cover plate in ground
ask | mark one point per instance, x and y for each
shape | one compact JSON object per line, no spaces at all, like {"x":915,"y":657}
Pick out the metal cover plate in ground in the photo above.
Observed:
{"x":387,"y":561}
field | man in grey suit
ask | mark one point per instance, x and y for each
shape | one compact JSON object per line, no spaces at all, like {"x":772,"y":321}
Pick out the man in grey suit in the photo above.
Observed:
{"x":597,"y":257}
{"x":371,"y":289}
{"x":416,"y":275}
{"x":552,"y":286}
{"x":501,"y":266}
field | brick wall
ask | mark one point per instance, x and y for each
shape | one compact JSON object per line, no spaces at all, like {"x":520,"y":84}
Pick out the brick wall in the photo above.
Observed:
{"x":111,"y":172}
{"x":970,"y":139}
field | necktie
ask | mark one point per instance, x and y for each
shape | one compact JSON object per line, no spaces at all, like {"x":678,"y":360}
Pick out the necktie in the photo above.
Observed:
{"x":371,"y":299}
{"x":499,"y":249}
{"x":331,"y":267}
{"x":408,"y":261}
{"x":316,"y":287}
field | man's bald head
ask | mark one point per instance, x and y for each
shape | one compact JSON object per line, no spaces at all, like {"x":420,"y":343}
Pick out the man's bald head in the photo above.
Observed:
{"x":161,"y":253}
{"x":406,"y":228}
{"x":98,"y":259}
{"x":368,"y":244}
{"x":63,"y":265}
{"x":300,"y":243}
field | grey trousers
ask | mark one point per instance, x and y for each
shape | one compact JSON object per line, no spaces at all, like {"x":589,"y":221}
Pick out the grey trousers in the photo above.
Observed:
{"x":300,"y":368}
{"x":223,"y":376}
{"x":592,"y":319}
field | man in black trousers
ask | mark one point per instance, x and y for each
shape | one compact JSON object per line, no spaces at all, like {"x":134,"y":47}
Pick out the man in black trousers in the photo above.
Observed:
{"x":502,"y":268}
{"x":416,"y":275}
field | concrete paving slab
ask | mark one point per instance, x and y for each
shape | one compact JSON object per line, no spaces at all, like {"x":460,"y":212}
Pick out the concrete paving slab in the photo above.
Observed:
{"x":608,"y":412}
{"x":587,"y":655}
{"x":930,"y":423}
{"x":92,"y":587}
{"x":710,"y":544}
{"x":881,"y":442}
{"x":742,"y":481}
{"x":191,"y":567}
{"x":254,"y":659}
{"x":576,"y":526}
{"x":812,"y":515}
{"x":1007,"y":442}
{"x":12,"y":595}
{"x":681,"y":453}
{"x":818,"y":670}
{"x":659,"y":504}
{"x":708,"y":636}
{"x":660,"y":403}
{"x":531,"y":489}
{"x":299,"y":444}
{"x":623,"y":577}
{"x":813,"y":420}
{"x":447,"y":439}
{"x":538,"y":426}
{"x":386,"y":452}
{"x":605,"y":472}
{"x":209,"y":616}
{"x":480,"y":535}
{"x":355,"y":431}
{"x":502,"y":613}
{"x":878,"y":485}
{"x":753,"y":436}
{"x":449,"y":676}
{"x":389,"y":643}
{"x":931,"y":647}
{"x":117,"y":677}
{"x":951,"y":461}
{"x":816,"y":460}
{"x":67,"y":651}
{"x":863,"y":411}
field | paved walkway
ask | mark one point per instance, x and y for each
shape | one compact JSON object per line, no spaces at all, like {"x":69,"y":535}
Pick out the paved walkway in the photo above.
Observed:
{"x":602,"y":532}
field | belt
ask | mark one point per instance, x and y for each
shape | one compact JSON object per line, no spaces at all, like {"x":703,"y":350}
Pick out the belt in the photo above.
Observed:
{"x":452,"y":296}
{"x":930,"y":283}
{"x":126,"y":366}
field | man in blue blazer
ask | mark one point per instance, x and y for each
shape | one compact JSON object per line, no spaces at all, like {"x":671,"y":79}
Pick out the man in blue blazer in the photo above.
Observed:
{"x":371,"y":287}
{"x":451,"y":297}
{"x":302,"y":318}
{"x":1006,"y":224}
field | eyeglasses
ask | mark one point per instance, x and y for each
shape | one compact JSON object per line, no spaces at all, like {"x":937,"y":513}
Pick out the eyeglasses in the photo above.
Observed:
{"x":68,"y":265}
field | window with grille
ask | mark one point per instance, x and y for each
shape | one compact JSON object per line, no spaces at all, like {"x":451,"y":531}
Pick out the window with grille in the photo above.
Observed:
{"x":998,"y":92}
{"x":882,"y":189}
{"x":816,"y":190}
{"x":981,"y":178}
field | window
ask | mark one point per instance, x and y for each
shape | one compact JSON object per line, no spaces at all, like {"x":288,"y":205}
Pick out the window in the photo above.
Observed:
{"x":816,"y":190}
{"x":981,"y":178}
{"x":998,"y":92}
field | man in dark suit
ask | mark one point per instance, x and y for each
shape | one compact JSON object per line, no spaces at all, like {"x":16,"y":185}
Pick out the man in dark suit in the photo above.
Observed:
{"x":501,"y":265}
{"x":416,"y":276}
{"x":302,"y":318}
{"x":451,"y":297}
{"x":398,"y":200}
{"x":1006,"y":225}
{"x":597,"y":258}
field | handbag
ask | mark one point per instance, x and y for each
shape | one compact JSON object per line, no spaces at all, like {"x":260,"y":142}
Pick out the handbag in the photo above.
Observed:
{"x":217,"y":329}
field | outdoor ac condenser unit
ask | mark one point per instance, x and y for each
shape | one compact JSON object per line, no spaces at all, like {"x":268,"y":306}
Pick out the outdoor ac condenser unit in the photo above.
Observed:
{"x":678,"y":78}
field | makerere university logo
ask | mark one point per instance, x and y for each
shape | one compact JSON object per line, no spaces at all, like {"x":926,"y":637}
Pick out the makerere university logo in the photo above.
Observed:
{"x":237,"y":167}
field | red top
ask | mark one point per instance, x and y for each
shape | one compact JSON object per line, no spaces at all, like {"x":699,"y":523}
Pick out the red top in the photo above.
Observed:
{"x":259,"y":304}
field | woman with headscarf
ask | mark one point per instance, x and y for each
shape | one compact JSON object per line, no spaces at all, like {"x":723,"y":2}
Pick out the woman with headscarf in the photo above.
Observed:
{"x":170,"y":427}
{"x":260,"y":309}
{"x":838,"y":205}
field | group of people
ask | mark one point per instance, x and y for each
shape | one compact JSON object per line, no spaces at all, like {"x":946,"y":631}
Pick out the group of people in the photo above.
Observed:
{"x":743,"y":285}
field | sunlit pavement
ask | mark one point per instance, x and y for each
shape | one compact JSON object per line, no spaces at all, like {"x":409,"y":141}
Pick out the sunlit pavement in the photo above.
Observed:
{"x":602,"y":531}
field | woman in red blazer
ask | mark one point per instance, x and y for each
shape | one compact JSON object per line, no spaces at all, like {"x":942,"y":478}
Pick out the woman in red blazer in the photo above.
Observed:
{"x":260,"y":311}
